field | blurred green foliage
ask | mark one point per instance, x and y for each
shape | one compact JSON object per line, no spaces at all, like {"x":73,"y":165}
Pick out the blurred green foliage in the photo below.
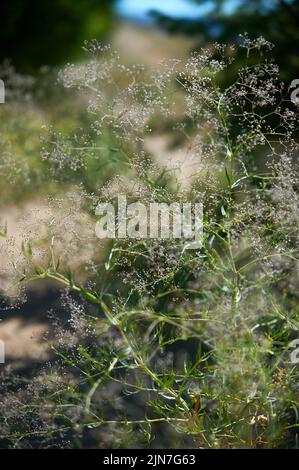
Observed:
{"x":276,"y":20}
{"x":49,"y":32}
{"x":35,"y":118}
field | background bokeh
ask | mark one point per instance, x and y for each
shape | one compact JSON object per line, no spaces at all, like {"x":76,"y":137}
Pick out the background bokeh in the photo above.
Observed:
{"x":37,"y":33}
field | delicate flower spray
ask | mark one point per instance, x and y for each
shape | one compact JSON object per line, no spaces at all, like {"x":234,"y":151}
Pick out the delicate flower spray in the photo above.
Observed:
{"x":159,"y":338}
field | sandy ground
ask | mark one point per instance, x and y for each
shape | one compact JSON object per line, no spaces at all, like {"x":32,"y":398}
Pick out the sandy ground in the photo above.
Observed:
{"x":20,"y":330}
{"x":149,"y":46}
{"x":23,"y":343}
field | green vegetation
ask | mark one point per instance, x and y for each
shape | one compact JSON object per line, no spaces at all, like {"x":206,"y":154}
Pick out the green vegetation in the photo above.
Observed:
{"x":276,"y":20}
{"x":51,"y":32}
{"x":166,"y":346}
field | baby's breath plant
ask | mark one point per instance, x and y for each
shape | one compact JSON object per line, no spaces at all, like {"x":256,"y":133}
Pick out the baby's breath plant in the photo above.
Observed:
{"x":166,"y":346}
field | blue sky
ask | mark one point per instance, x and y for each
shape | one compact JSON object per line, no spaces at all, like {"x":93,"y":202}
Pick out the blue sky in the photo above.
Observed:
{"x":139,"y":9}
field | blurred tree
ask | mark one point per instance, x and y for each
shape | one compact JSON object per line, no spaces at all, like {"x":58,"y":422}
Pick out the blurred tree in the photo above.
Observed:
{"x":276,"y":20}
{"x":49,"y":32}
